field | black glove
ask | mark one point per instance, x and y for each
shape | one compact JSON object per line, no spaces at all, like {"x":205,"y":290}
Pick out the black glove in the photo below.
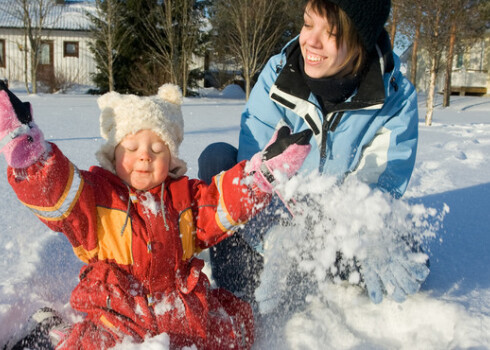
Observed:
{"x":285,"y":139}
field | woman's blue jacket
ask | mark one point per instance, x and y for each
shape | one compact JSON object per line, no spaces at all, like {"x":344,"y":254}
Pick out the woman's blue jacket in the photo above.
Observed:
{"x":373,"y":135}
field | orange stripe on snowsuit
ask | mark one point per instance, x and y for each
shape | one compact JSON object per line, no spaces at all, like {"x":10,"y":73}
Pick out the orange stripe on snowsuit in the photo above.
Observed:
{"x":187,"y":228}
{"x":65,"y":203}
{"x":223,"y":217}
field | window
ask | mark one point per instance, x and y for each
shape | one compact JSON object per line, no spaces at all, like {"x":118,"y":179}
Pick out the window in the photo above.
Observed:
{"x":45,"y":53}
{"x":2,"y":53}
{"x":459,"y":60}
{"x":70,"y":49}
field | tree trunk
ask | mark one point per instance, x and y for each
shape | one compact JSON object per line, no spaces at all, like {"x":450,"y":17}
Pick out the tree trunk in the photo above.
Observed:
{"x":247,"y":78}
{"x":185,"y":74}
{"x":394,"y":20}
{"x":33,"y":71}
{"x":413,"y":72}
{"x":449,"y":67}
{"x":431,"y":92}
{"x":26,"y":65}
{"x":110,"y":74}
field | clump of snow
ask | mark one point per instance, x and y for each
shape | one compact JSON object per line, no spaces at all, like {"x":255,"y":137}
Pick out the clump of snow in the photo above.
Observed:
{"x":160,"y":342}
{"x":364,"y":225}
{"x":233,"y":91}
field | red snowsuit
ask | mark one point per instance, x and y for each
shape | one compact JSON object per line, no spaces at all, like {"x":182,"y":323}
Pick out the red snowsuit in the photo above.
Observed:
{"x":142,"y":278}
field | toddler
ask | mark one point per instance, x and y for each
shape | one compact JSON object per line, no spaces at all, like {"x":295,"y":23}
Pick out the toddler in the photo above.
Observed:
{"x":138,"y":223}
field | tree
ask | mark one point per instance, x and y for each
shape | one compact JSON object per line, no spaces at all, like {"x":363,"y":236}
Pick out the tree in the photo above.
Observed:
{"x":34,"y":14}
{"x":395,"y":13}
{"x":249,"y":31}
{"x":467,"y":22}
{"x":415,"y":45}
{"x":437,"y":28}
{"x":108,"y":34}
{"x":434,"y":43}
{"x":404,"y":22}
{"x":174,"y":30}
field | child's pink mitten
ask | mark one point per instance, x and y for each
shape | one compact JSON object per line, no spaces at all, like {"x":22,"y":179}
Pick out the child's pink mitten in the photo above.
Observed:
{"x":21,"y":141}
{"x":285,"y":153}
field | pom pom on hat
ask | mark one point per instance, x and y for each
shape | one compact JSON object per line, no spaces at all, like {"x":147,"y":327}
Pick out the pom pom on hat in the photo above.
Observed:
{"x":127,"y":114}
{"x":170,"y":93}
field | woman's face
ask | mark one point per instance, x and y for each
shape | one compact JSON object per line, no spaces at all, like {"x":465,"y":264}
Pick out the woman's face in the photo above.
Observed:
{"x":319,"y":48}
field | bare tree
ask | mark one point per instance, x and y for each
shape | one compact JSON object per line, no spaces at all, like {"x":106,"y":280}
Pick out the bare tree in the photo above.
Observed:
{"x":449,"y":65}
{"x":249,"y":30}
{"x":415,"y":45}
{"x":434,"y":44}
{"x":467,"y":21}
{"x":108,"y":34}
{"x":406,"y":19}
{"x":395,"y":13}
{"x":35,"y":15}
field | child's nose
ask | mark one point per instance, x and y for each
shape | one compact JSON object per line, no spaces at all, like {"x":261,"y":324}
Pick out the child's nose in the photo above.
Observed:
{"x":145,"y":156}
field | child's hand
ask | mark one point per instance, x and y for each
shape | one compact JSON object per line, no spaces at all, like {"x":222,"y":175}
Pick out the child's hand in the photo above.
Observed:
{"x":283,"y":155}
{"x":21,"y":141}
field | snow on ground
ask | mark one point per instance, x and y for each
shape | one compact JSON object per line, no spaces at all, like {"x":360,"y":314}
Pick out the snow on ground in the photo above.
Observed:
{"x":452,"y":311}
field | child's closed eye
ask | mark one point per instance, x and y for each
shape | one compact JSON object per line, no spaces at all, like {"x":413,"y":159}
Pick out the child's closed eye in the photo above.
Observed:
{"x":158,"y":147}
{"x":129,"y":146}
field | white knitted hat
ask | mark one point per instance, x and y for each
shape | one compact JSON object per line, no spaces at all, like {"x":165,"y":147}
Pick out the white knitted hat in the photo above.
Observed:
{"x":127,"y":114}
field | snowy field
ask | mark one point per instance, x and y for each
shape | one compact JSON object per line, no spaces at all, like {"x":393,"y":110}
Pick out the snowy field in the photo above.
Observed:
{"x":452,"y":311}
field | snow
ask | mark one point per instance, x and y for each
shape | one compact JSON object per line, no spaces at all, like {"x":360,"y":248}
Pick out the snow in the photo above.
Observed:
{"x":446,"y":205}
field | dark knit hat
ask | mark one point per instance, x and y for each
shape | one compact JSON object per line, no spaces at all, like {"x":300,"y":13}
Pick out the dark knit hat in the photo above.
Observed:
{"x":369,"y":17}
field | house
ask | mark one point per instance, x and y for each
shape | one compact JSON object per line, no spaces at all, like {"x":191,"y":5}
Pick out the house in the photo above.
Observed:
{"x":65,"y":55}
{"x":470,"y":72}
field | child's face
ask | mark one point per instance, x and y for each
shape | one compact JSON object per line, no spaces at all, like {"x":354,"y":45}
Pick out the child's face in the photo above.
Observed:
{"x":319,"y":47}
{"x":142,"y":160}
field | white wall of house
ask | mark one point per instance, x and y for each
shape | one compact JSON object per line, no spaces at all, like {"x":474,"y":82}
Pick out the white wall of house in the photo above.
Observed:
{"x":471,"y":68}
{"x":73,"y":69}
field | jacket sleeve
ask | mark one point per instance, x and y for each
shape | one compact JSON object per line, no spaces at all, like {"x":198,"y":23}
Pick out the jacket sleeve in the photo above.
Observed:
{"x":228,"y":202}
{"x":387,"y":161}
{"x":56,"y":192}
{"x":261,"y":115}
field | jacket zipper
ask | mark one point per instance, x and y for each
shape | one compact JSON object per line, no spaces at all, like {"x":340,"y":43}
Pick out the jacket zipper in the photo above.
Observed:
{"x":331,"y":121}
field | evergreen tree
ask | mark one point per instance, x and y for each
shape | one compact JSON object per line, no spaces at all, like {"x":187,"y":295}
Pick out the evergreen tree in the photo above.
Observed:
{"x":174,"y":32}
{"x":107,"y":32}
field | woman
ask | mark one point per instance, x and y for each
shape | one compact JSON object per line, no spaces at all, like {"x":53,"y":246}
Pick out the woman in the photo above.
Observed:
{"x":340,"y":79}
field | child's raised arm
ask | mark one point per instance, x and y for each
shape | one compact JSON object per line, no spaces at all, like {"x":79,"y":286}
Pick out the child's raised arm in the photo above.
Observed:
{"x":228,"y":202}
{"x":21,"y":141}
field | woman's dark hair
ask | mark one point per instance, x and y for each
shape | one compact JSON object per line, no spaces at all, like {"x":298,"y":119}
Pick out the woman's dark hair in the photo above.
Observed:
{"x":342,"y":27}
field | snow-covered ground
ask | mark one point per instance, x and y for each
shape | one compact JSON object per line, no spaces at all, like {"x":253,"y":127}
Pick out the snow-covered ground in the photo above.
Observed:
{"x":452,"y":311}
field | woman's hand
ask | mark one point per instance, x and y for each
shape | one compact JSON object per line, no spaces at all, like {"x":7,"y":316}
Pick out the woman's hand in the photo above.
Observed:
{"x":282,"y":157}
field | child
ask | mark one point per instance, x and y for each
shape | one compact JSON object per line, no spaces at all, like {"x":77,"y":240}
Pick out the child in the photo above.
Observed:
{"x":138,"y":222}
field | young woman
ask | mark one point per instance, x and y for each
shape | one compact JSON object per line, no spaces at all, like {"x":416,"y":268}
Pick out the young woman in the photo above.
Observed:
{"x":340,"y":79}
